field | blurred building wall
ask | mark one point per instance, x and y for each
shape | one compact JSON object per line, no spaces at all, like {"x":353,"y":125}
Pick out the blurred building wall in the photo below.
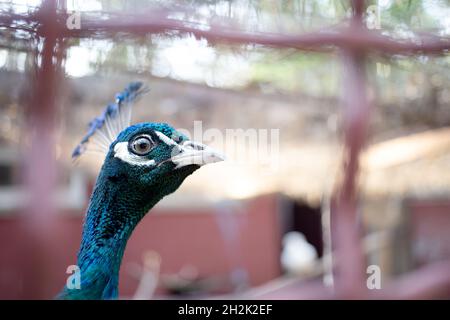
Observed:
{"x":181,"y":237}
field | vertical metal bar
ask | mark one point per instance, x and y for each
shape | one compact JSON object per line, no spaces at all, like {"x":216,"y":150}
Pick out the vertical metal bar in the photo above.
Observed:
{"x":41,"y":114}
{"x":40,"y":164}
{"x":349,"y":257}
{"x":357,"y":11}
{"x":349,"y":260}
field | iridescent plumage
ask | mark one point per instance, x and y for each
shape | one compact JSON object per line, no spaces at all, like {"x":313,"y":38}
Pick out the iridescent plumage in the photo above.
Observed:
{"x":143,"y":163}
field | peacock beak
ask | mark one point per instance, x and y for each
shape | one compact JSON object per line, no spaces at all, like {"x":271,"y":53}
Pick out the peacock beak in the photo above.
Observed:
{"x":190,"y":152}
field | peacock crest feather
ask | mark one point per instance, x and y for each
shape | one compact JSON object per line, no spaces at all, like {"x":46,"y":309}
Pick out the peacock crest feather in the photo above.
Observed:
{"x":104,"y":129}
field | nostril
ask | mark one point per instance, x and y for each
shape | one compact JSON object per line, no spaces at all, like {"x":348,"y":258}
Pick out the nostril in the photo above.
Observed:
{"x":198,"y":147}
{"x":193,"y":145}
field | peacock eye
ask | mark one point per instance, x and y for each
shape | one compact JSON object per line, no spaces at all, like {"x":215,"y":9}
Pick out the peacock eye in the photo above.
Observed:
{"x":141,"y":145}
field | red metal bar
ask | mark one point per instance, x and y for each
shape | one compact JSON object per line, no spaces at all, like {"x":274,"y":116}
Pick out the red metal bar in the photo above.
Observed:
{"x":349,"y":261}
{"x":345,"y":231}
{"x":431,"y":281}
{"x":360,"y":39}
{"x":342,"y":37}
{"x":41,"y":164}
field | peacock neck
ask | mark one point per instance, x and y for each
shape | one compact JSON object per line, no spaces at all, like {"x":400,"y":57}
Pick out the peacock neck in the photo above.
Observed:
{"x":115,"y":209}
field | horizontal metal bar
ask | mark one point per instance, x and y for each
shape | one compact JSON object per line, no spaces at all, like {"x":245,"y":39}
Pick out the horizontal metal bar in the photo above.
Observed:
{"x":356,"y":38}
{"x":430,"y":281}
{"x":353,"y":37}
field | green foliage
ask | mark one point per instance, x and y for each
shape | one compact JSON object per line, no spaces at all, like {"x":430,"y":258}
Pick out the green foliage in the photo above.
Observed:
{"x":312,"y":73}
{"x":413,"y":14}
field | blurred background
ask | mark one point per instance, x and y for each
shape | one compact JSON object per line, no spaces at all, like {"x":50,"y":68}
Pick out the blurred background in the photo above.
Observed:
{"x":259,"y":221}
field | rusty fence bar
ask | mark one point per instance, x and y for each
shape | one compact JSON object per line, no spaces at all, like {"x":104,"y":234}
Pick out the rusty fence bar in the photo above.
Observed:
{"x":353,"y":40}
{"x":40,"y":176}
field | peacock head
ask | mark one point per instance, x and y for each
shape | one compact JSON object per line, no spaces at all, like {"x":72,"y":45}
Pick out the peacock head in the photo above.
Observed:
{"x":154,"y":155}
{"x":146,"y":156}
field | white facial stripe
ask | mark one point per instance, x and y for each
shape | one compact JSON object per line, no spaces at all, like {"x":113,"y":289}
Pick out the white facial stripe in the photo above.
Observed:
{"x":121,"y":152}
{"x":165,"y":139}
{"x":191,"y":153}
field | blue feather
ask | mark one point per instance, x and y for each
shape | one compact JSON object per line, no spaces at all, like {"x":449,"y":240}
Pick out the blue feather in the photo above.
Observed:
{"x":111,"y":113}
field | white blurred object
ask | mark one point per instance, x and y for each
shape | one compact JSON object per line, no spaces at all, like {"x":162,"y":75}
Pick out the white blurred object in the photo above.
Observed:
{"x":298,"y":256}
{"x":149,"y":276}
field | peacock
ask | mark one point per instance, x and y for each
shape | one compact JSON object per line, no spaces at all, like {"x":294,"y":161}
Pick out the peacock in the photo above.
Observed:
{"x":144,"y":162}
